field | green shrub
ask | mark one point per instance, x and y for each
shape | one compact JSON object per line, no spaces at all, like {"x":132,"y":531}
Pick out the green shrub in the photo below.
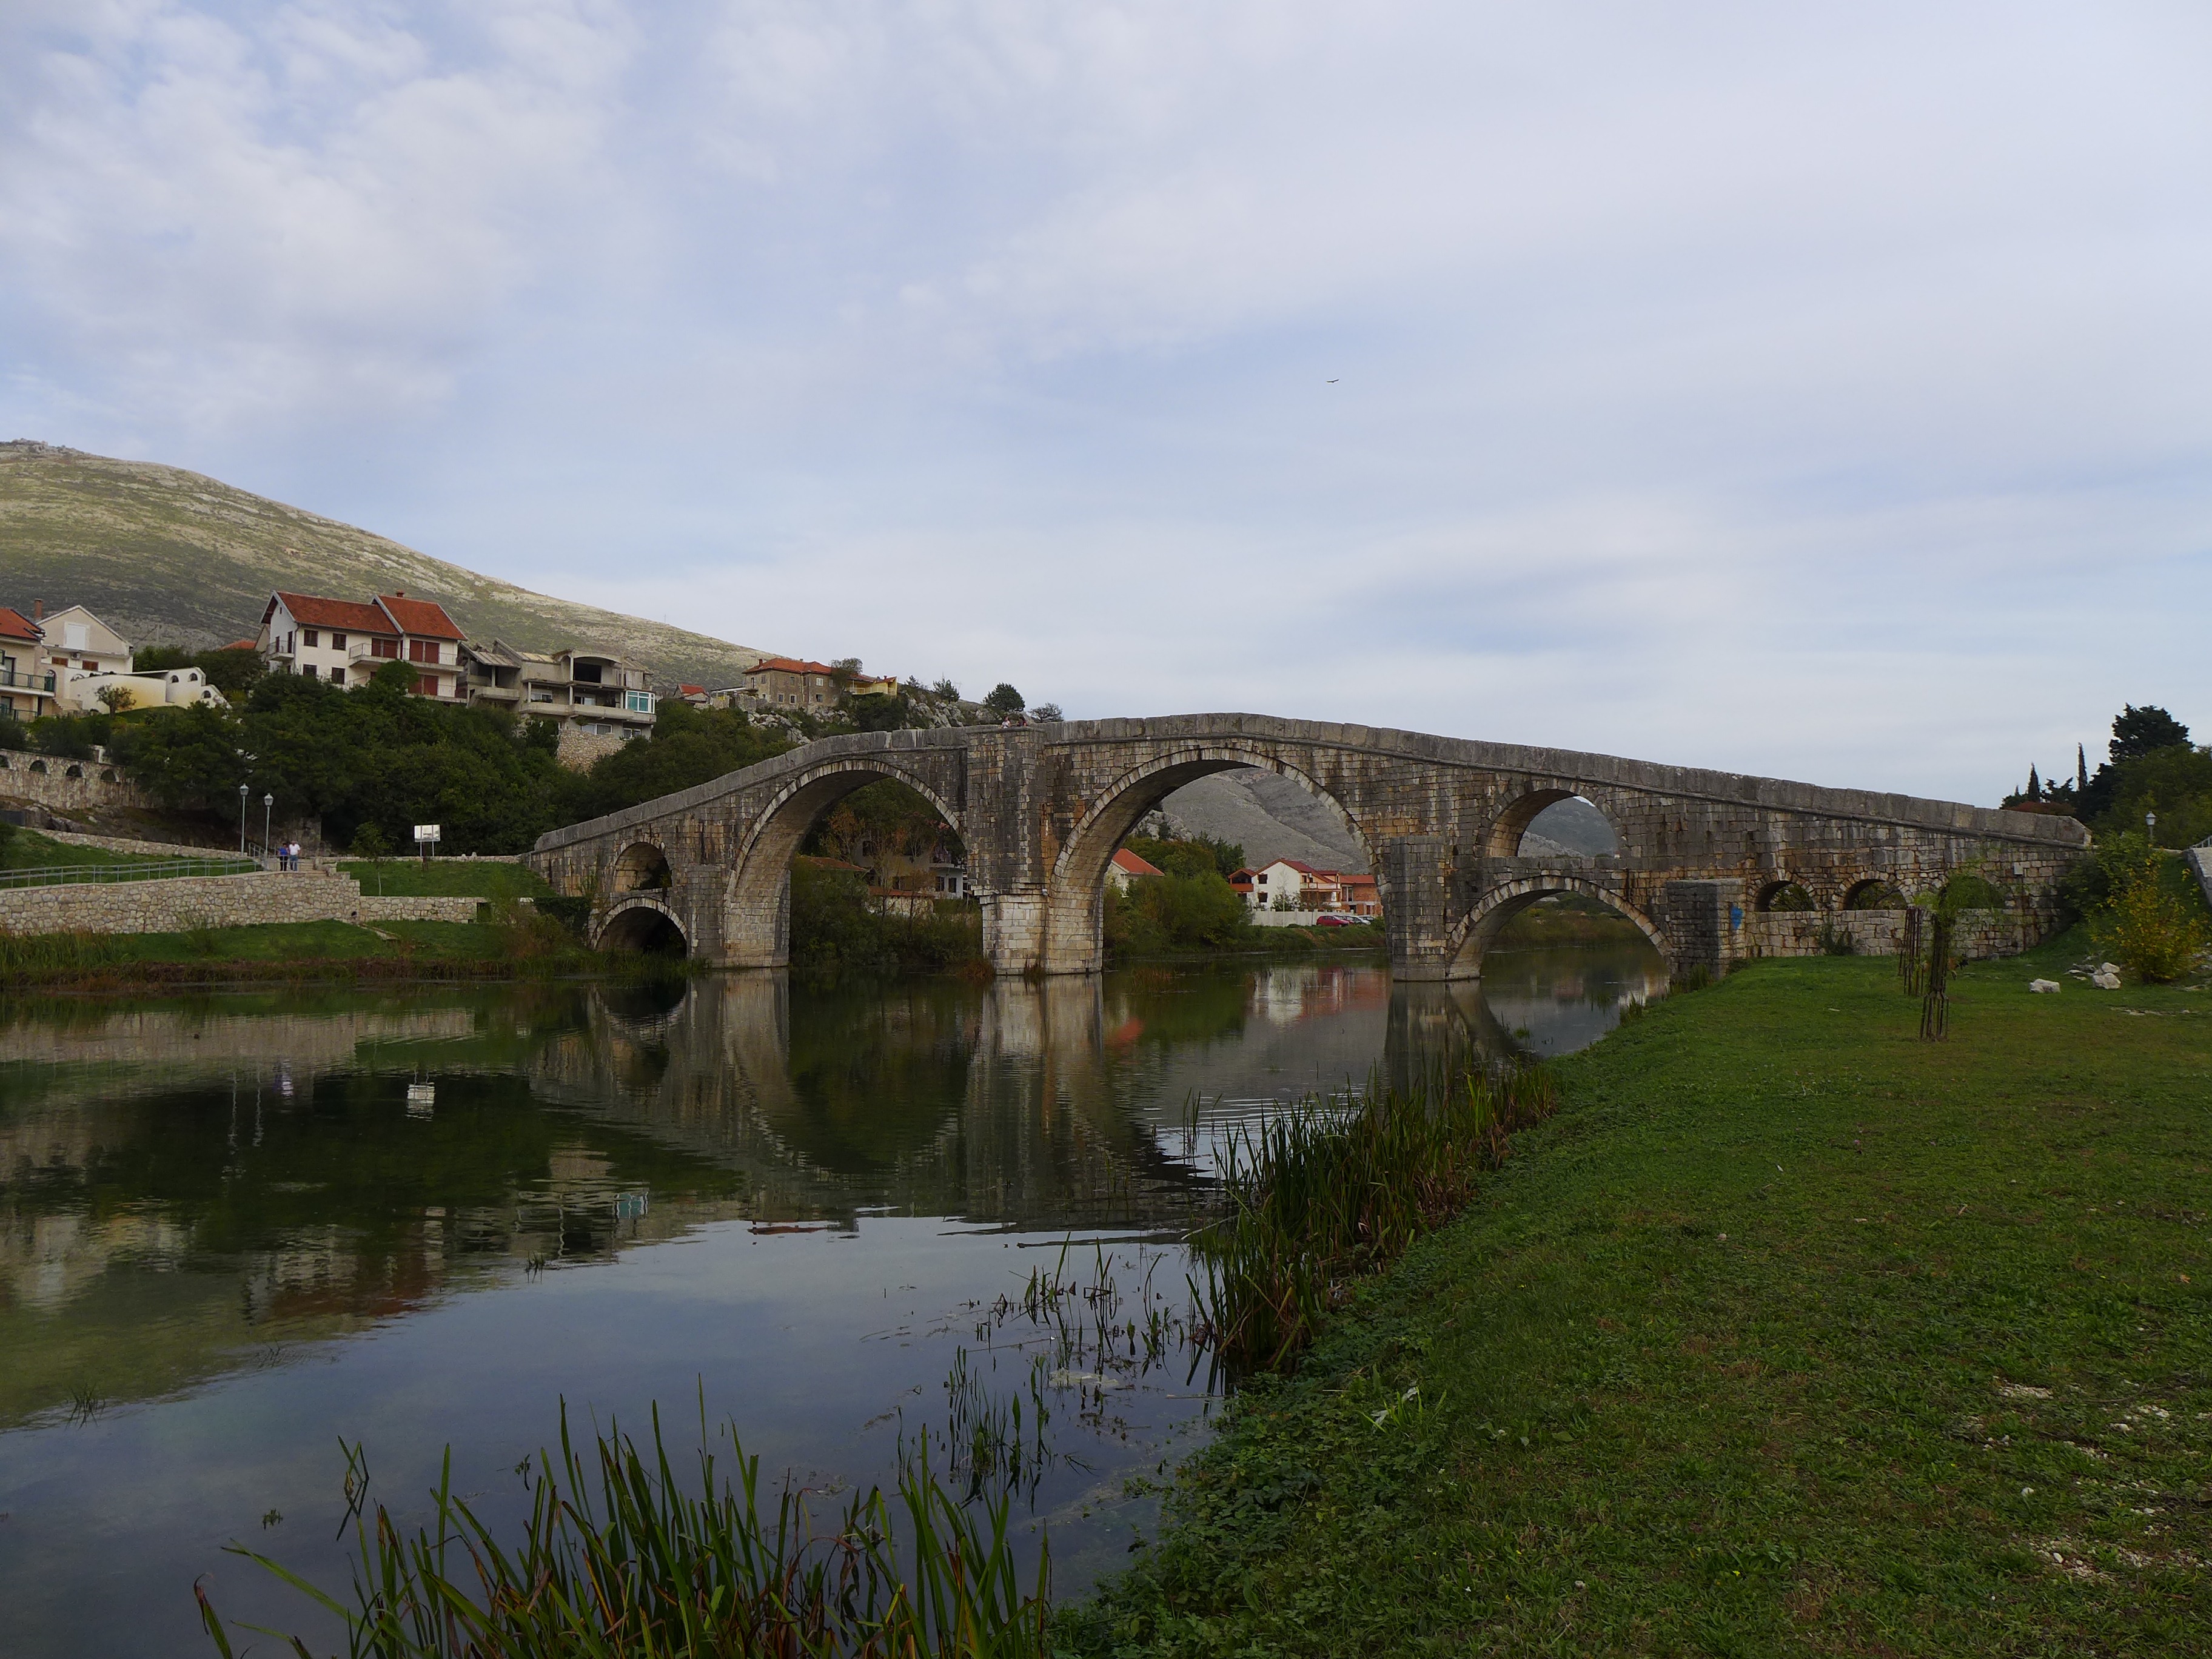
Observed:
{"x":2148,"y":930}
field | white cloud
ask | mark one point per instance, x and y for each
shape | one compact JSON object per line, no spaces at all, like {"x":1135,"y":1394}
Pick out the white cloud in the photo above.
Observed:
{"x":1773,"y":388}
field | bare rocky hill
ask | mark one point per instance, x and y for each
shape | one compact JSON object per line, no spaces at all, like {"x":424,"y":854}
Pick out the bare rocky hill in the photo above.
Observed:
{"x":170,"y":557}
{"x":1273,"y":817}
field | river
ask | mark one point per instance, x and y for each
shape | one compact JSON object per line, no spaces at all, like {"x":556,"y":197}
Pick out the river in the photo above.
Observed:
{"x":237,"y":1230}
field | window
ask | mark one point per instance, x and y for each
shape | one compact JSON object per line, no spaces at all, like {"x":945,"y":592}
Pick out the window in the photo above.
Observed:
{"x":312,"y":639}
{"x":422,"y":650}
{"x":289,"y":647}
{"x":337,"y":642}
{"x":426,"y":685}
{"x":384,"y":648}
{"x":308,"y":669}
{"x":638,"y":702}
{"x":76,"y":636}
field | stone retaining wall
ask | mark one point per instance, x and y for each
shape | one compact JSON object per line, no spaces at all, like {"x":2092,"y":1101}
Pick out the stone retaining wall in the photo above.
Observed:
{"x":1980,"y":933}
{"x":45,"y":781}
{"x":2200,"y":860}
{"x":172,"y":906}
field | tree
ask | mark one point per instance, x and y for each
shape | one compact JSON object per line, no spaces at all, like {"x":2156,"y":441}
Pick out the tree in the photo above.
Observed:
{"x":946,"y":691}
{"x":2035,"y":783}
{"x":114,"y":698}
{"x":1047,"y":714}
{"x":2081,"y":769}
{"x":2144,"y":731}
{"x":1004,"y":700}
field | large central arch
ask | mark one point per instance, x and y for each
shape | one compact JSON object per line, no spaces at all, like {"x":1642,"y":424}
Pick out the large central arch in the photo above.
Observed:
{"x":757,"y":898}
{"x":1471,"y":937}
{"x":1075,"y":898}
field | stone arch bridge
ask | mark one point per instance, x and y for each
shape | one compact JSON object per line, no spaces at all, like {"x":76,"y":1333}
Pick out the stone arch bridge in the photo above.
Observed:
{"x":1041,"y":809}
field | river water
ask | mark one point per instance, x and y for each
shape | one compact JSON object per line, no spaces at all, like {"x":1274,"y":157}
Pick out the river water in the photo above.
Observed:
{"x":237,"y":1230}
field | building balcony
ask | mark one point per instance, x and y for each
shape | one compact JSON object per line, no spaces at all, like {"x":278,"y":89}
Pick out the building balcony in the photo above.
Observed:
{"x":18,"y":679}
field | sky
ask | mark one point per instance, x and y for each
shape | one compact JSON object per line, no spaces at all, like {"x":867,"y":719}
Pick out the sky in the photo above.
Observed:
{"x":1821,"y":392}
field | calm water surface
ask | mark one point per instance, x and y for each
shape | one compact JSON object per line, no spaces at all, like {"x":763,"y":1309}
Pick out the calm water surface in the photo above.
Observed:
{"x":236,"y":1228}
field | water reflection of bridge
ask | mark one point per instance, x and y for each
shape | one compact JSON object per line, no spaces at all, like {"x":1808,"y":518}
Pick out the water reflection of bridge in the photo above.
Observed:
{"x":250,"y":1170}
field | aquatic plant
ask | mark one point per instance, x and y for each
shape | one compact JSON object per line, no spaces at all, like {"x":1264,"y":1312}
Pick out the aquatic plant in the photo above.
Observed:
{"x":654,"y":1566}
{"x":1333,"y":1187}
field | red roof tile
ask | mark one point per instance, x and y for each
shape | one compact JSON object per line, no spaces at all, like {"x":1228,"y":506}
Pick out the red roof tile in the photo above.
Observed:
{"x":789,"y":665}
{"x":240,"y":644}
{"x":1130,"y":865}
{"x":311,"y":612}
{"x":420,"y":618}
{"x":15,"y":625}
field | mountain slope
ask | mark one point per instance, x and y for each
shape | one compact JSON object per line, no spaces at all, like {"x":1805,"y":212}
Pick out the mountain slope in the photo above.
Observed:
{"x":169,"y":557}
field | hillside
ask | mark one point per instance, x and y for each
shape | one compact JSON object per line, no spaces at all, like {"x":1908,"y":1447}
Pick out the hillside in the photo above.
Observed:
{"x":173,"y":558}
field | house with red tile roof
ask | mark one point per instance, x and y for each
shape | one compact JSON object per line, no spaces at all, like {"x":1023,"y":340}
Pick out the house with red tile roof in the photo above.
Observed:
{"x":1127,"y":867}
{"x":345,"y":641}
{"x":1303,"y":886}
{"x":26,"y":684}
{"x":791,"y":682}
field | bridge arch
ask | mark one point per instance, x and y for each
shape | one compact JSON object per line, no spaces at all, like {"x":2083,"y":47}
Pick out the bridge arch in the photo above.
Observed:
{"x":641,"y":866}
{"x":1075,"y":896}
{"x":642,"y":921}
{"x":1786,"y":895}
{"x":757,"y":897}
{"x":1471,"y":937}
{"x":1513,"y":819}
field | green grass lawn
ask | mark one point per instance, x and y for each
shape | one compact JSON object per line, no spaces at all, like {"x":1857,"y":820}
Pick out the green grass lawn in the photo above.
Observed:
{"x":447,"y":878}
{"x":27,"y":849}
{"x":1791,"y":1333}
{"x":68,"y":958}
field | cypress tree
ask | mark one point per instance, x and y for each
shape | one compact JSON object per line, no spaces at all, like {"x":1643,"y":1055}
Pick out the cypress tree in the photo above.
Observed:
{"x":2081,"y":768}
{"x":2035,"y":783}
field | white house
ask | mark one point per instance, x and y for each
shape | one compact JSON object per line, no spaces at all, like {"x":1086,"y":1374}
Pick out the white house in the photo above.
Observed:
{"x":76,"y":639}
{"x":1292,"y":880}
{"x":1127,"y":867}
{"x":346,"y":642}
{"x":82,"y":691}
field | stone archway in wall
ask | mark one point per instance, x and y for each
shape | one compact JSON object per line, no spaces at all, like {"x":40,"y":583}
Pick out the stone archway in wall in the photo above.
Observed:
{"x":1521,"y":815}
{"x":1471,"y":937}
{"x":757,"y":897}
{"x":644,"y":923}
{"x":1075,"y":896}
{"x":642,"y":867}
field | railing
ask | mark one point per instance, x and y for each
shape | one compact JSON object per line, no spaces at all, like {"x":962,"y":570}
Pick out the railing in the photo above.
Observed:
{"x":17,"y":679}
{"x":64,"y":875}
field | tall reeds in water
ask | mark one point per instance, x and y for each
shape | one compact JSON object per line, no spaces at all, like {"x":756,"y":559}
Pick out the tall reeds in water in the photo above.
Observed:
{"x":655,"y":1566}
{"x":1329,"y":1190}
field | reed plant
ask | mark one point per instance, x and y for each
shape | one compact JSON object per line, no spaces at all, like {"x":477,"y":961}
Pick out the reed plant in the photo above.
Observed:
{"x":1334,"y":1188}
{"x":621,"y":1559}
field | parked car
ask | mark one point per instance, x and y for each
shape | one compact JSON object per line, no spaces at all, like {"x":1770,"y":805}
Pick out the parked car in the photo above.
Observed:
{"x":1337,"y":919}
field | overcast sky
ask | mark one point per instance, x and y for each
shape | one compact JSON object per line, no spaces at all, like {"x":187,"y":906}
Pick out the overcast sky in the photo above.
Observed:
{"x":1816,"y":390}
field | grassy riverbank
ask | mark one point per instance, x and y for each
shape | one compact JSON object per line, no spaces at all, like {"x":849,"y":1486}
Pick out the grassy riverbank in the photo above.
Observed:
{"x":280,"y":950}
{"x":1787,"y":1333}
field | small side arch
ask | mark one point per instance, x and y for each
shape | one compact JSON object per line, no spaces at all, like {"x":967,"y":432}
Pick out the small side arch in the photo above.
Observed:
{"x":74,"y":772}
{"x":643,"y":924}
{"x":756,"y":916}
{"x":1786,"y":896}
{"x":1483,"y":923}
{"x":642,"y":867}
{"x":1876,"y":893}
{"x":1074,"y":918}
{"x":38,"y":766}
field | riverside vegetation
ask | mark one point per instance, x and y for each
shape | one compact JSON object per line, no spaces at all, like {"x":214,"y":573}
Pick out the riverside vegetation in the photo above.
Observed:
{"x":1761,"y":1325}
{"x":1786,"y":1330}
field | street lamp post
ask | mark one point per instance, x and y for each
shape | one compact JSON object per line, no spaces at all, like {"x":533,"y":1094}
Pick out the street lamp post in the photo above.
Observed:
{"x":241,"y":820}
{"x":267,"y":801}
